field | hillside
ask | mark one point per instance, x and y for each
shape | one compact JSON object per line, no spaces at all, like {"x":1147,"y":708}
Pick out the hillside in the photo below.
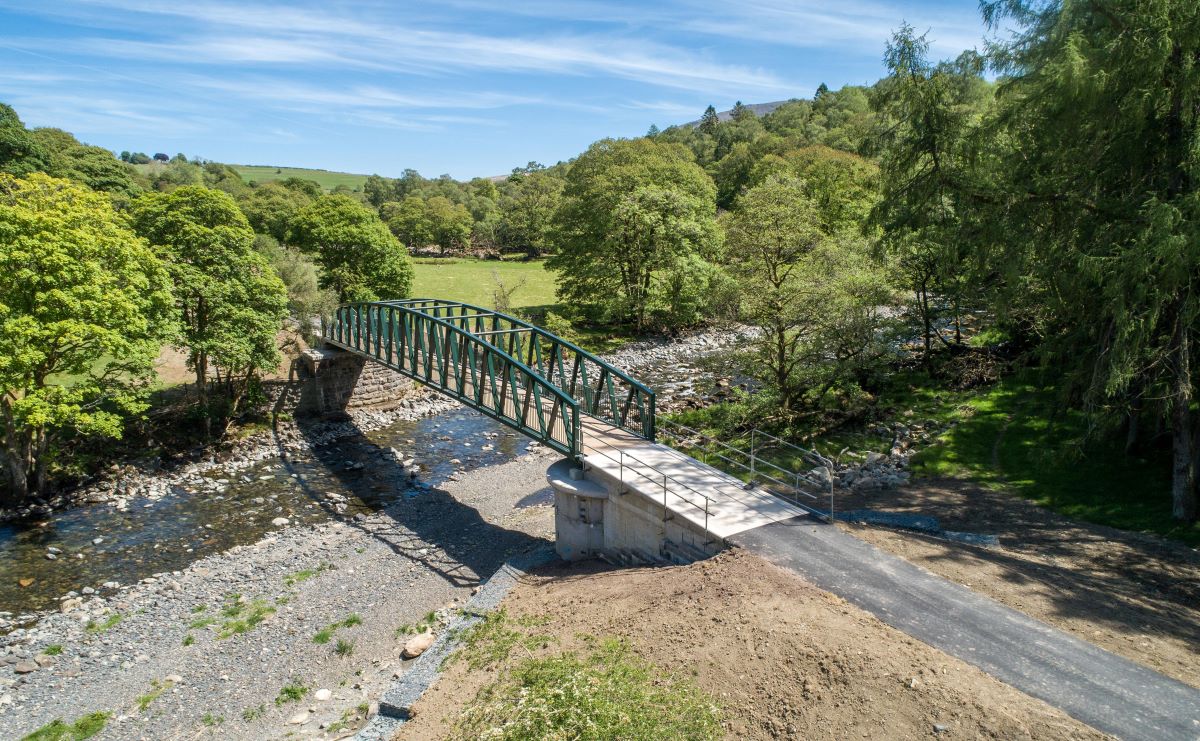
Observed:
{"x":327,"y":179}
{"x":760,"y":109}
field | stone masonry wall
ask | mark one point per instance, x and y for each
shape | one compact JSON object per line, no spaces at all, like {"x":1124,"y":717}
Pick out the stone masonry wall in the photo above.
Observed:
{"x":334,"y":380}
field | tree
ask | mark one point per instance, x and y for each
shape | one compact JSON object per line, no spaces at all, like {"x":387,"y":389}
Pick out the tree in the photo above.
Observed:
{"x":1099,"y":201}
{"x":449,"y":222}
{"x":630,"y":208}
{"x":928,"y":113}
{"x":84,"y":307}
{"x":380,"y":190}
{"x":360,"y":259}
{"x":652,"y":131}
{"x":409,"y":221}
{"x":20,"y":153}
{"x":815,"y":293}
{"x":741,"y":112}
{"x":161,"y":157}
{"x":231,"y":304}
{"x":306,"y":299}
{"x":709,"y":121}
{"x":528,"y":210}
{"x":139,"y":158}
{"x":270,"y":207}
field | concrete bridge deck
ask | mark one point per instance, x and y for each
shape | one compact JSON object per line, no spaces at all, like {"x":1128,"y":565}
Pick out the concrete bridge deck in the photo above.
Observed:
{"x":703,"y":495}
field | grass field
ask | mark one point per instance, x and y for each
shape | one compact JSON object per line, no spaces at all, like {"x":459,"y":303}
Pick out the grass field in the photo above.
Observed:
{"x":325,"y":178}
{"x":474,"y":281}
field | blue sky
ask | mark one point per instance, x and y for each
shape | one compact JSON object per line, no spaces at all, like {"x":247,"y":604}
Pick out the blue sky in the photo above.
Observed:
{"x":459,"y":86}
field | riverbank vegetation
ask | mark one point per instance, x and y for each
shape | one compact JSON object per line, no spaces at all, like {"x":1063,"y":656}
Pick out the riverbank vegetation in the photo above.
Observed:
{"x":1026,"y":212}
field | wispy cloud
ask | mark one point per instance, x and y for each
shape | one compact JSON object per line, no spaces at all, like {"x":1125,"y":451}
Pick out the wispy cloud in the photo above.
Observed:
{"x":224,"y":34}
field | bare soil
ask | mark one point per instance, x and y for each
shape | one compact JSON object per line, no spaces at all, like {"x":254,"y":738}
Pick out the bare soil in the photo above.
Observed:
{"x":171,"y":365}
{"x":782,"y":658}
{"x":1133,"y":594}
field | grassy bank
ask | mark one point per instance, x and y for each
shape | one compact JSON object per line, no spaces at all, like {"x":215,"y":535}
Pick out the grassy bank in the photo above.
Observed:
{"x":1015,"y":436}
{"x":1018,"y":437}
{"x":532,"y":294}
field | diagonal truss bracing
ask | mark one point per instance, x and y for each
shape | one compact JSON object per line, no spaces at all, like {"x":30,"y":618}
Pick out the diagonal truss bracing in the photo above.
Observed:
{"x":511,"y":370}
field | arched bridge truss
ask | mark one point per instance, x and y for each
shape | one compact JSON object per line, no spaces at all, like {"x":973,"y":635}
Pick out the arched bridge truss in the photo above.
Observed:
{"x":515,"y":372}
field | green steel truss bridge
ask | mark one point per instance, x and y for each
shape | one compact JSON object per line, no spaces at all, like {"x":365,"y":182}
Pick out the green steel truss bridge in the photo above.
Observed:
{"x":512,"y":371}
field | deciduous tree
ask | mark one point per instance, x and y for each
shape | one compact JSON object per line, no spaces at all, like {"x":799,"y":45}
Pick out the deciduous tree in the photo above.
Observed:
{"x":231,"y":303}
{"x":360,"y":259}
{"x":84,"y":307}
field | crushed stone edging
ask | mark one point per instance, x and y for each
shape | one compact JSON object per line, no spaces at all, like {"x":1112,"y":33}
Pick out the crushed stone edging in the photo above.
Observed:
{"x":395,"y":703}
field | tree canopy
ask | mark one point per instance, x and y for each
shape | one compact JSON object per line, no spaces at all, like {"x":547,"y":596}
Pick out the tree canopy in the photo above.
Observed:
{"x":84,"y":307}
{"x":360,"y":259}
{"x":230,"y":302}
{"x":630,"y":209}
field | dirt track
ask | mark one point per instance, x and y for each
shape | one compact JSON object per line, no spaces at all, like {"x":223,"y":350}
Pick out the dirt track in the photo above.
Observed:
{"x":783,"y":658}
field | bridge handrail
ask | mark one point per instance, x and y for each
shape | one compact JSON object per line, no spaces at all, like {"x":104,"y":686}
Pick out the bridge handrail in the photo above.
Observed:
{"x":620,"y":461}
{"x":591,"y":380}
{"x":548,"y":335}
{"x":755,"y":463}
{"x":567,"y":400}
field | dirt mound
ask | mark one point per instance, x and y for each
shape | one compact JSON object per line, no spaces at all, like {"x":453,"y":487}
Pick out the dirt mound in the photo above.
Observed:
{"x":783,"y":658}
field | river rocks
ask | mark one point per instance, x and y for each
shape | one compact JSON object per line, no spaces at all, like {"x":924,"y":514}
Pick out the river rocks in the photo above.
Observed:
{"x":322,"y":695}
{"x":300,"y":718}
{"x":280,"y":521}
{"x":417,"y":645}
{"x":25,"y":667}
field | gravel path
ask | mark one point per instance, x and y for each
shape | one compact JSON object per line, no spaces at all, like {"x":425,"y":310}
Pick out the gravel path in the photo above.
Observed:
{"x":423,"y":554}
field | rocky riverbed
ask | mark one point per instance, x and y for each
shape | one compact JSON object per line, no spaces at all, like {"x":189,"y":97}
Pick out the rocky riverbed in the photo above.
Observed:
{"x":290,"y":634}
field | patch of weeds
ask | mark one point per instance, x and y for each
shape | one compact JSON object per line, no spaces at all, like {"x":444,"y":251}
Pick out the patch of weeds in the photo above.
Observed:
{"x":211,"y":720}
{"x":489,"y":641}
{"x":609,"y":693}
{"x":304,"y":575}
{"x":323,"y":635}
{"x":199,"y":608}
{"x":83,"y":728}
{"x":344,"y":647}
{"x":189,"y":639}
{"x":282,"y":599}
{"x":201,"y":623}
{"x":244,"y":617}
{"x":360,"y":549}
{"x":250,"y":714}
{"x":293,"y":691}
{"x":54,"y":649}
{"x":156,"y":690}
{"x":419,"y":627}
{"x":108,"y":622}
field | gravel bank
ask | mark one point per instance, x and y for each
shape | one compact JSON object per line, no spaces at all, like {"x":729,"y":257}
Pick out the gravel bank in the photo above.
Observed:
{"x":425,"y":553}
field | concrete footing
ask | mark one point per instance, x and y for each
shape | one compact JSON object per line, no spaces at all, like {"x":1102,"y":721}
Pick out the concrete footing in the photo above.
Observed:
{"x":596,"y":516}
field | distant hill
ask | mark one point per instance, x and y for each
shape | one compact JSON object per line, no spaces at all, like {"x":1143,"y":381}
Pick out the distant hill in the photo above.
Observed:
{"x":327,"y":179}
{"x":760,"y":109}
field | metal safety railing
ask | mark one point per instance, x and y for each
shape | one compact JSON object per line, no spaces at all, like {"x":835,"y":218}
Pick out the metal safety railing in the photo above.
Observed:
{"x":638,"y":468}
{"x":789,"y":484}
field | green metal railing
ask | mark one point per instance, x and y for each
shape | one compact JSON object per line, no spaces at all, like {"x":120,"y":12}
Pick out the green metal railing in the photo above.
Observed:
{"x":512,"y":371}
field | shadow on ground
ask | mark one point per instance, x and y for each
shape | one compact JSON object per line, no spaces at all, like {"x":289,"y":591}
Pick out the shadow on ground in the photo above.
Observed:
{"x":422,"y":523}
{"x":1135,"y":594}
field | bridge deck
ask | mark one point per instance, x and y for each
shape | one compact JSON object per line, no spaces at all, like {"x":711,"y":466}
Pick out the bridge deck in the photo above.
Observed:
{"x":690,"y":485}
